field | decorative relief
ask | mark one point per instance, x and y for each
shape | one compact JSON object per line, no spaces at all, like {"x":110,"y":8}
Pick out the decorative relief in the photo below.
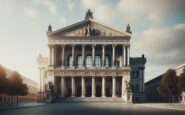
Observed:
{"x":88,"y":73}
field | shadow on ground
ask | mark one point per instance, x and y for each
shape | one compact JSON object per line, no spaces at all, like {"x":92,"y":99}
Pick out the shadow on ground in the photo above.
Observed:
{"x":91,"y":109}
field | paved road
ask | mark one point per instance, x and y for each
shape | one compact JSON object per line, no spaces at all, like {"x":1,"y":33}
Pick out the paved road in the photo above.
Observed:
{"x":91,"y":109}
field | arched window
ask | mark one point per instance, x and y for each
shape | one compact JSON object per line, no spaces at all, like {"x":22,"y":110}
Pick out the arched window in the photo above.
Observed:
{"x":79,"y":61}
{"x":89,"y":61}
{"x":97,"y":61}
{"x":70,"y":61}
{"x":107,"y":61}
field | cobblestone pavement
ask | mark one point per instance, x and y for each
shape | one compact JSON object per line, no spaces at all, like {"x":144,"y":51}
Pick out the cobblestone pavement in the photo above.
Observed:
{"x":92,"y":109}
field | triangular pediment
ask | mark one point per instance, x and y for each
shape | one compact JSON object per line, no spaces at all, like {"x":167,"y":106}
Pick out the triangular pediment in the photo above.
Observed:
{"x":87,"y":27}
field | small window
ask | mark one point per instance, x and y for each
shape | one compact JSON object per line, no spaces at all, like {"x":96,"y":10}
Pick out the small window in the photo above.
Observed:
{"x":70,"y":61}
{"x":97,"y":61}
{"x":107,"y":61}
{"x":79,"y":61}
{"x":89,"y":61}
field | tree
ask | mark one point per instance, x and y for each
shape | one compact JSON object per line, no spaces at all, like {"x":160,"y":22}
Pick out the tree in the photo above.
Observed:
{"x":3,"y":80}
{"x":181,"y":81}
{"x":16,"y":86}
{"x":168,"y":84}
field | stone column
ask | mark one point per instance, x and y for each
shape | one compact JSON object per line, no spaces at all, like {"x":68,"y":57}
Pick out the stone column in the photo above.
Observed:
{"x":123,"y":87}
{"x":83,"y":55}
{"x":73,"y":86}
{"x":63,"y":87}
{"x":124,"y":55}
{"x":73,"y":55}
{"x":93,"y":55}
{"x":83,"y":87}
{"x":128,"y":55}
{"x":52,"y":55}
{"x":93,"y":87}
{"x":113,"y":55}
{"x":63,"y":55}
{"x":41,"y":79}
{"x":103,"y":86}
{"x":113,"y":86}
{"x":103,"y":55}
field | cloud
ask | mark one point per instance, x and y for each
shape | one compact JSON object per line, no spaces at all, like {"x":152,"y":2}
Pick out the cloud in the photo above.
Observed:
{"x":70,"y":4}
{"x":142,"y":13}
{"x":63,"y":21}
{"x":151,"y":10}
{"x":162,"y":46}
{"x":102,"y":10}
{"x":30,"y":12}
{"x":51,"y":5}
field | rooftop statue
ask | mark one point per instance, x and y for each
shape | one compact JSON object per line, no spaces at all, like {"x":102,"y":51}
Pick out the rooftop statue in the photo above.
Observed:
{"x":89,"y":15}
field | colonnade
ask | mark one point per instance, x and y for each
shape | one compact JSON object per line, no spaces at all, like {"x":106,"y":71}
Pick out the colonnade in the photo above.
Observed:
{"x":93,"y":87}
{"x":125,"y":55}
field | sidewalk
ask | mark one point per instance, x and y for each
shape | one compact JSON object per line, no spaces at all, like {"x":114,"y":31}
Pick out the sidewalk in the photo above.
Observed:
{"x":4,"y":107}
{"x":175,"y":106}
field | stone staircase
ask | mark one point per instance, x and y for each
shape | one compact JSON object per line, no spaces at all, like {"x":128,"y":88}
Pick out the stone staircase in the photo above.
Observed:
{"x":90,"y":99}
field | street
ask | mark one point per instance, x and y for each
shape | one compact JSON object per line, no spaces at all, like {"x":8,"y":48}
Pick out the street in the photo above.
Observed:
{"x":91,"y":109}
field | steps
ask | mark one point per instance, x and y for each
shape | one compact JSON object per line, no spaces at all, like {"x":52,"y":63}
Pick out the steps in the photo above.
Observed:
{"x":90,"y":99}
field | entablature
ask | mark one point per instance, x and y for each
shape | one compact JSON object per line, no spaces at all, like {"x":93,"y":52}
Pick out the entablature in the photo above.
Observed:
{"x":105,"y":41}
{"x":90,"y":72}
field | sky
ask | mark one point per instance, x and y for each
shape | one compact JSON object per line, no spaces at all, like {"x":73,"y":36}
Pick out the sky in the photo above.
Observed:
{"x":158,"y":28}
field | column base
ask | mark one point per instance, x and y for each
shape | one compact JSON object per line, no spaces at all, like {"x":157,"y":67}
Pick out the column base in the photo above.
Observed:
{"x":114,"y":96}
{"x":82,"y":96}
{"x":103,"y":96}
{"x":72,"y":96}
{"x":93,"y":96}
{"x":62,"y":67}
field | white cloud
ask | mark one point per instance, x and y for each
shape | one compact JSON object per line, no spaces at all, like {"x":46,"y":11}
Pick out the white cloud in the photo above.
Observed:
{"x":180,"y":27}
{"x":160,"y":40}
{"x":51,"y":5}
{"x":101,"y":10}
{"x":70,"y":4}
{"x":30,"y":12}
{"x":63,"y":21}
{"x":164,"y":47}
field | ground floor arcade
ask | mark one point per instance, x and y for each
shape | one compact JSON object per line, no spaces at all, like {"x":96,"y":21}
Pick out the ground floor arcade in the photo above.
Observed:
{"x":95,"y":86}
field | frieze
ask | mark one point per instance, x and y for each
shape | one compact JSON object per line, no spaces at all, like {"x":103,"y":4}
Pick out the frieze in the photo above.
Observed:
{"x":89,"y":73}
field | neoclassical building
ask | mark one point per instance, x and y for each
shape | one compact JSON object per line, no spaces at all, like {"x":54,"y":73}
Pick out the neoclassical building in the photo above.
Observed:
{"x":89,"y":59}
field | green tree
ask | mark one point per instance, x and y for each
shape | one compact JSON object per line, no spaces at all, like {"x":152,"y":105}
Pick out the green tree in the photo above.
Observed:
{"x":16,"y":85}
{"x":181,"y":81}
{"x":3,"y":80}
{"x":168,"y":85}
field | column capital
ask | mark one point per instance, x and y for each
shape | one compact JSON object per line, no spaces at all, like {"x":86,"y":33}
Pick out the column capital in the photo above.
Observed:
{"x":83,"y":45}
{"x":114,"y":45}
{"x":104,"y":45}
{"x":63,"y":45}
{"x":73,"y":45}
{"x":93,"y":45}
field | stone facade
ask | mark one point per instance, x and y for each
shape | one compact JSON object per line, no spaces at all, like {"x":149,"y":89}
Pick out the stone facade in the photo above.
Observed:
{"x":88,"y":59}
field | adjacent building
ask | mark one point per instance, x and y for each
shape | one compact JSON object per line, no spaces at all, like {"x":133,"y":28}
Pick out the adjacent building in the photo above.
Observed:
{"x":91,"y":59}
{"x":151,"y":86}
{"x":32,"y":85}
